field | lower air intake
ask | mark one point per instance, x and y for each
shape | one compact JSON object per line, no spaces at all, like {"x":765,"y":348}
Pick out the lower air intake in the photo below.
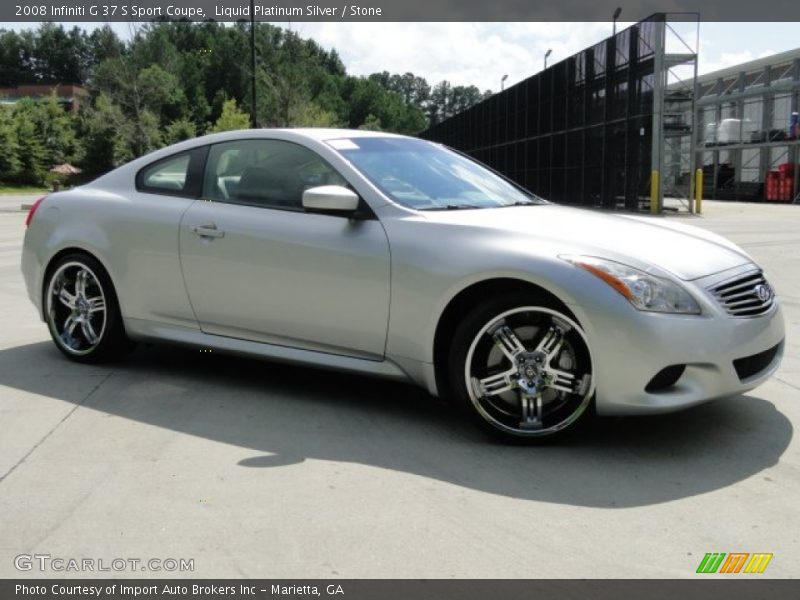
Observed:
{"x":749,"y":366}
{"x":665,"y":379}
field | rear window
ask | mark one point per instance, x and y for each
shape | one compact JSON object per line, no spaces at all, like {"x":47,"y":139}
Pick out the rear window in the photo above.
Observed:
{"x":169,"y":175}
{"x":177,"y":175}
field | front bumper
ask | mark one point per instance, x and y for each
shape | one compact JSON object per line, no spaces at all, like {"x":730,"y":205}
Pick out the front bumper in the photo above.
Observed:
{"x":629,"y":347}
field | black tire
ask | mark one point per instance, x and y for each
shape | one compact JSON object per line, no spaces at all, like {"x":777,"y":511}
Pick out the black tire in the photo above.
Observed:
{"x":93,"y":334}
{"x":530,"y":320}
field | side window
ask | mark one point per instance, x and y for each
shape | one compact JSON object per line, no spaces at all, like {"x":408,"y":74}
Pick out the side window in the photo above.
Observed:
{"x":270,"y":173}
{"x":176,"y":175}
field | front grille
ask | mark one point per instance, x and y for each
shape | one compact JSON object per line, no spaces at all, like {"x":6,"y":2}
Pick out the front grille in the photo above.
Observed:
{"x":748,"y":295}
{"x":752,"y":365}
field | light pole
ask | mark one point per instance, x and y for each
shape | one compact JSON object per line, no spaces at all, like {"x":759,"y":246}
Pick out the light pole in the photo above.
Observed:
{"x":253,"y":118}
{"x":614,"y":18}
{"x":546,"y":54}
{"x":503,"y":82}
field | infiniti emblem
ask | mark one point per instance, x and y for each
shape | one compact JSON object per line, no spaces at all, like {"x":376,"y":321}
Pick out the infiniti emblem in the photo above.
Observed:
{"x":763,"y":292}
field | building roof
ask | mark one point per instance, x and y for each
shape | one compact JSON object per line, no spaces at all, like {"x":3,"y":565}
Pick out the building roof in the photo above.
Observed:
{"x":758,"y":64}
{"x":43,"y":89}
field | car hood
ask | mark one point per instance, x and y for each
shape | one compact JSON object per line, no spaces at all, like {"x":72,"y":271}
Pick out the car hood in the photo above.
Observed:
{"x":685,"y":251}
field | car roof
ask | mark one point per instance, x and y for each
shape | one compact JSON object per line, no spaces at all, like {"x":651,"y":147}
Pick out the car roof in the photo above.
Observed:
{"x":320,"y":134}
{"x":120,"y":177}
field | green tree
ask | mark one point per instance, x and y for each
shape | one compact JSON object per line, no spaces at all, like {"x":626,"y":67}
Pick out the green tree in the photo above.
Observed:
{"x":147,"y":134}
{"x":438,"y":109}
{"x":413,"y":89}
{"x":172,"y":80}
{"x":32,"y":154}
{"x":108,"y":136}
{"x":365,"y":98}
{"x":55,"y":127}
{"x":179,"y":130}
{"x":138,"y":95}
{"x":325,"y":90}
{"x":309,"y":114}
{"x":287,"y":81}
{"x":10,"y":164}
{"x":231,"y":118}
{"x":371,"y":123}
{"x":368,"y":97}
{"x":102,"y":44}
{"x":16,"y":52}
{"x":160,"y":92}
{"x":60,"y":56}
{"x":447,"y":100}
{"x":463,"y":97}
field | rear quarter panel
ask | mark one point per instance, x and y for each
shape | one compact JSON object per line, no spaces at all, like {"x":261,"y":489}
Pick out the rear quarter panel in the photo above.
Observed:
{"x":134,"y":236}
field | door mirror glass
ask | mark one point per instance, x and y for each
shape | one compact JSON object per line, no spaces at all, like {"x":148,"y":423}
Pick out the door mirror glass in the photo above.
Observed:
{"x":330,"y":198}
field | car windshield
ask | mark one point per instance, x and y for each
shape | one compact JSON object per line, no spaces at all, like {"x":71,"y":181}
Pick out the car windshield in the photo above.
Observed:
{"x":425,"y":176}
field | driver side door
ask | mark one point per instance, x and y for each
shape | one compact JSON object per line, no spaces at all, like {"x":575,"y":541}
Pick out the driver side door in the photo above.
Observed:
{"x":259,"y":267}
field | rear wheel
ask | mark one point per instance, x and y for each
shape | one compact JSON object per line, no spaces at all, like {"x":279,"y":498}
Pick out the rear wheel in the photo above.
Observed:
{"x":522,"y":367}
{"x":81,"y":310}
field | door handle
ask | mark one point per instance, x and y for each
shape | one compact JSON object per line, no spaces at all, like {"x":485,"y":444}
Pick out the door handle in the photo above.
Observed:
{"x":208,"y":231}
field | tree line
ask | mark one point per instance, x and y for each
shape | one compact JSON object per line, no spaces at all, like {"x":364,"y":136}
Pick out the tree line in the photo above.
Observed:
{"x":171,"y":81}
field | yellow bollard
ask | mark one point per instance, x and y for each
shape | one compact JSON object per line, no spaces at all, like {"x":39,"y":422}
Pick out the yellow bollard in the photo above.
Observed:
{"x":698,"y":192}
{"x":654,"y":192}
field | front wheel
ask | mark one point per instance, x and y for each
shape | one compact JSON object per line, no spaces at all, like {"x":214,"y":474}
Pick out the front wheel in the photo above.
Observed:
{"x":81,"y":310}
{"x":522,"y":367}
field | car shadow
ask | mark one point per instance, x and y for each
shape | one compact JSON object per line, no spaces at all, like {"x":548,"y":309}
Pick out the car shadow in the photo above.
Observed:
{"x":286,"y":414}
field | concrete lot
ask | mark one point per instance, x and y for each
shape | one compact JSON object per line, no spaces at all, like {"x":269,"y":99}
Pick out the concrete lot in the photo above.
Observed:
{"x":14,"y":202}
{"x":262,"y":470}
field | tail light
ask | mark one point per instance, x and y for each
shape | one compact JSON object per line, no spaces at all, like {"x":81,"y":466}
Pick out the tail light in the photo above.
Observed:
{"x":32,"y":210}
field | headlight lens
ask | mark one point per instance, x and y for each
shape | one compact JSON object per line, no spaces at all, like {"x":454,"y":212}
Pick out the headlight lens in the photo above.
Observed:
{"x":646,"y":292}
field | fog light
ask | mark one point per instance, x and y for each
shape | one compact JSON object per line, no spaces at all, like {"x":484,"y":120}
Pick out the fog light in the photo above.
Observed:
{"x":665,"y":379}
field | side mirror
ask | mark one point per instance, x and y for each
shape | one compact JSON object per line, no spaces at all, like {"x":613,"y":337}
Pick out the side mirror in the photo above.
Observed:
{"x":330,"y":199}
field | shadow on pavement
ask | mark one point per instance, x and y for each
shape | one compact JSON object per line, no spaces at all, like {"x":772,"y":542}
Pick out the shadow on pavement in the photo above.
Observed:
{"x":285,"y":414}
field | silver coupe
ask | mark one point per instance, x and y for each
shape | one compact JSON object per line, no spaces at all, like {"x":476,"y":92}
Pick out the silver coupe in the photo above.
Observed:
{"x":387,"y":255}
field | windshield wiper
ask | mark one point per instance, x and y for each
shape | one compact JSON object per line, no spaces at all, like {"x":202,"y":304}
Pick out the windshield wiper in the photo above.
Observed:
{"x":454,"y":207}
{"x":524,"y":203}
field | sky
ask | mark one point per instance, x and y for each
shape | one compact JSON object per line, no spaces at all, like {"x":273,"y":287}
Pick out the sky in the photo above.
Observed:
{"x":481,"y":53}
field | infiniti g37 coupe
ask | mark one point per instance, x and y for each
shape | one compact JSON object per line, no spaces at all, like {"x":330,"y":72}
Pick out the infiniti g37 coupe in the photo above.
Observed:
{"x":375,"y":253}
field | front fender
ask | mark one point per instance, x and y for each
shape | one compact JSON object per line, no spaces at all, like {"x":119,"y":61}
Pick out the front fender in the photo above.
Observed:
{"x":426,"y":279}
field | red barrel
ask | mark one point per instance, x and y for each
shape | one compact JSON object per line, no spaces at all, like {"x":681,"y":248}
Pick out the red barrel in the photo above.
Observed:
{"x":786,"y":187}
{"x":772,"y":186}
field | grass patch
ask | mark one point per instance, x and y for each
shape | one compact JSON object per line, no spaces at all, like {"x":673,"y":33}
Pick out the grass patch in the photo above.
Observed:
{"x":22,"y":189}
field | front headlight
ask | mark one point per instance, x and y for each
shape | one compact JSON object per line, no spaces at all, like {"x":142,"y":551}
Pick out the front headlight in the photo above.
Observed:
{"x":644,"y":291}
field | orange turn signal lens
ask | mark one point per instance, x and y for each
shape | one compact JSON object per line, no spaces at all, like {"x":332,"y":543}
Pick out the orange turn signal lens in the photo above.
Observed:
{"x":617,"y":284}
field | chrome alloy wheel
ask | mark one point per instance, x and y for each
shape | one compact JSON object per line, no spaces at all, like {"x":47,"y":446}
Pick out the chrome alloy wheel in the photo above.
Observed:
{"x":529,"y":371}
{"x":76,"y":308}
